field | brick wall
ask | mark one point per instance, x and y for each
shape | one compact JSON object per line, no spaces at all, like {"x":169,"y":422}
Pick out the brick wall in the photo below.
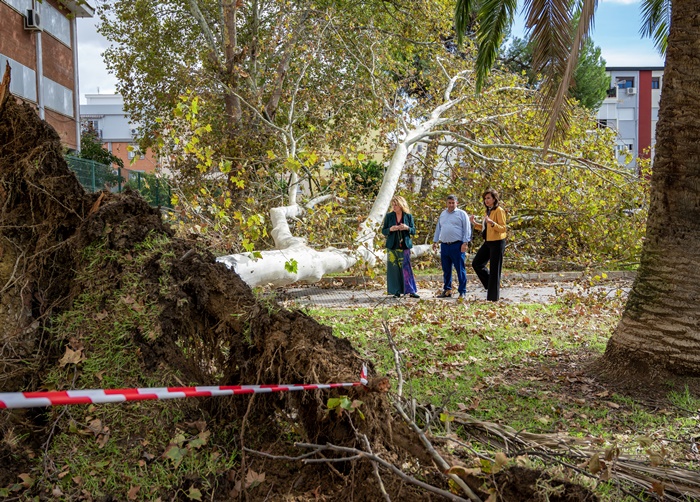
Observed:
{"x":65,"y":127}
{"x":147,"y":165}
{"x":15,"y":41}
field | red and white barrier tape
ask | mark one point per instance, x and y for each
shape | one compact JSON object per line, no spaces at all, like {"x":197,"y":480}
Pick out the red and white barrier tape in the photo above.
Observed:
{"x":94,"y":396}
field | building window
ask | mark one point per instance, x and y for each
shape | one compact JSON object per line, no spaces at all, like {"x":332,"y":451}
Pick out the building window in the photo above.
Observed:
{"x":656,"y":82}
{"x":54,"y":22}
{"x":625,"y":82}
{"x":20,"y":5}
{"x":57,"y":97}
{"x":602,"y":123}
{"x":92,"y":126}
{"x":23,"y":83}
{"x":612,"y":92}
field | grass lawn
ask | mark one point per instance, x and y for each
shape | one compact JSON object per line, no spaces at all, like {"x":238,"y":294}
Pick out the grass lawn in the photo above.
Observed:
{"x":525,"y":366}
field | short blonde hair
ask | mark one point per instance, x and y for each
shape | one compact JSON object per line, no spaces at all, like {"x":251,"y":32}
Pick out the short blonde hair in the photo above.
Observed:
{"x":401,"y":203}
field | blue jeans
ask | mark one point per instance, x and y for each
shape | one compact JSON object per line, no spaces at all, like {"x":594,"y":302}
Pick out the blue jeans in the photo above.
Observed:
{"x":451,"y":255}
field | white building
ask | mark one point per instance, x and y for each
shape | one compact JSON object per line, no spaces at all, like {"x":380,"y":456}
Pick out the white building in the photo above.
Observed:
{"x":105,"y":114}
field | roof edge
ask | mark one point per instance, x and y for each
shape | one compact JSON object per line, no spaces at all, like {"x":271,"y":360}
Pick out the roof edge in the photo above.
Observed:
{"x":634,"y":68}
{"x":79,"y":8}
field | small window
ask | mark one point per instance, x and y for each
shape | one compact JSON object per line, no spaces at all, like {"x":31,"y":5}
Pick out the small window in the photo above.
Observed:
{"x":602,"y":123}
{"x":656,"y":82}
{"x":612,"y":92}
{"x":625,"y":82}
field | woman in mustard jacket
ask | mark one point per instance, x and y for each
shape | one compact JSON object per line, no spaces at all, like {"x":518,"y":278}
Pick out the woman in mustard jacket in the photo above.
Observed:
{"x":493,"y":230}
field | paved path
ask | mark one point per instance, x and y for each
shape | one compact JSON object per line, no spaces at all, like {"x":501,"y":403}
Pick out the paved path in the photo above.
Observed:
{"x":338,"y":295}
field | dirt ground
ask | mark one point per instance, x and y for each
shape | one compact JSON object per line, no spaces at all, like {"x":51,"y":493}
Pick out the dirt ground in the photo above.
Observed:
{"x":191,"y":320}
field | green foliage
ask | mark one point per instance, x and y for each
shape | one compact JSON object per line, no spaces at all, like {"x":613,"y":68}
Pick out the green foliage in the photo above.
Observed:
{"x":591,"y":81}
{"x":101,"y":171}
{"x":344,"y":403}
{"x":152,"y":188}
{"x":206,"y":186}
{"x":291,"y":266}
{"x":364,"y":178}
{"x":91,"y":148}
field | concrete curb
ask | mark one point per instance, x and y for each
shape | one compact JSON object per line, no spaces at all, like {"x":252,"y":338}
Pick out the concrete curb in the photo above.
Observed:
{"x":507,"y":276}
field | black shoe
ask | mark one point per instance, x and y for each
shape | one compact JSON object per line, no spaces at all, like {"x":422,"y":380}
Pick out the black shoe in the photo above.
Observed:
{"x":413,"y":295}
{"x":445,"y":294}
{"x":397,"y":295}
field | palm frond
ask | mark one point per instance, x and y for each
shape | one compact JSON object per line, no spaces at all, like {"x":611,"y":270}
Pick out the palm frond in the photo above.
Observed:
{"x":464,"y":11}
{"x":556,"y":49}
{"x":656,"y":17}
{"x":494,"y":18}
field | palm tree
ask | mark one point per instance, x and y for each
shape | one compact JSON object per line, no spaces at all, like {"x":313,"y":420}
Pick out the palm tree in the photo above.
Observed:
{"x":659,"y":332}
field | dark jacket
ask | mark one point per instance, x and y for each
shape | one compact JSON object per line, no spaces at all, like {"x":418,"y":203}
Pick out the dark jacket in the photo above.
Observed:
{"x":393,"y":238}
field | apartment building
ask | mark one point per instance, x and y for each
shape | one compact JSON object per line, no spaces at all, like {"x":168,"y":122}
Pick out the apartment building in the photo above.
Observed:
{"x":104,"y":113}
{"x":39,"y":40}
{"x":632,"y":109}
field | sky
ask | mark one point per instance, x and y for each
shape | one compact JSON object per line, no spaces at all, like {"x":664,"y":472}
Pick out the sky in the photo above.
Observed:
{"x":616,"y":32}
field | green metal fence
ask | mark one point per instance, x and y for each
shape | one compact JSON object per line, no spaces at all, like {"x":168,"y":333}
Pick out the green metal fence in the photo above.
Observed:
{"x":95,"y":177}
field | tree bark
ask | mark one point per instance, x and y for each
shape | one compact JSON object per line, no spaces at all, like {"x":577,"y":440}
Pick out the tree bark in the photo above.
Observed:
{"x":660,"y":327}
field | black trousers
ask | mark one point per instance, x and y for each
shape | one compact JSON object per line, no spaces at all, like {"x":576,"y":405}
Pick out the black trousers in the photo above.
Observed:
{"x":490,"y":252}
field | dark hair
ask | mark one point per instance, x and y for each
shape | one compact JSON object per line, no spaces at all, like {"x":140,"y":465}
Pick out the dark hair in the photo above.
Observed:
{"x":451,"y":197}
{"x":493,"y":193}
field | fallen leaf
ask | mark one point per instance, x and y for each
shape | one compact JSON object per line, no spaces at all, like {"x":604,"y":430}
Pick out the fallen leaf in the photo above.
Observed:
{"x":199,"y":425}
{"x":175,"y":453}
{"x":194,"y":494}
{"x":102,"y":440}
{"x":95,"y":426}
{"x":132,"y":493}
{"x":70,"y":357}
{"x":501,"y":458}
{"x":254,"y":479}
{"x":658,"y":488}
{"x":200,"y":440}
{"x":594,"y":464}
{"x":27,"y":480}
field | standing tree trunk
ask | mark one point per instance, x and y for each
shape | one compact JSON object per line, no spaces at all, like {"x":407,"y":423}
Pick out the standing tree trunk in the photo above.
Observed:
{"x":660,"y":327}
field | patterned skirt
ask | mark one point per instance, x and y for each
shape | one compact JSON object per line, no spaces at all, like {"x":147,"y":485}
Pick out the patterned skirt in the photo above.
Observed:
{"x":399,"y":274}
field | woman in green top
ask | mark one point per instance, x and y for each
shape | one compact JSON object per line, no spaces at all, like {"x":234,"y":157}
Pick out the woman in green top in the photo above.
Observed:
{"x":398,"y":228}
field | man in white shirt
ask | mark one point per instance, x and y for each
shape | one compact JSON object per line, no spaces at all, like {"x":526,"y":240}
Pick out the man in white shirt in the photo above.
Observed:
{"x":453,"y":232}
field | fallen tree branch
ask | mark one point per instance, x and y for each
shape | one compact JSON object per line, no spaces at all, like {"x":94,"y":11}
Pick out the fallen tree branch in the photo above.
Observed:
{"x":363,"y":454}
{"x":678,"y":484}
{"x":437,"y":458}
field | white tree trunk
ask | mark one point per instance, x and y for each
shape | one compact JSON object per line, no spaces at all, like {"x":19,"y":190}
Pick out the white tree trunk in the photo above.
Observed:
{"x":274,"y":267}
